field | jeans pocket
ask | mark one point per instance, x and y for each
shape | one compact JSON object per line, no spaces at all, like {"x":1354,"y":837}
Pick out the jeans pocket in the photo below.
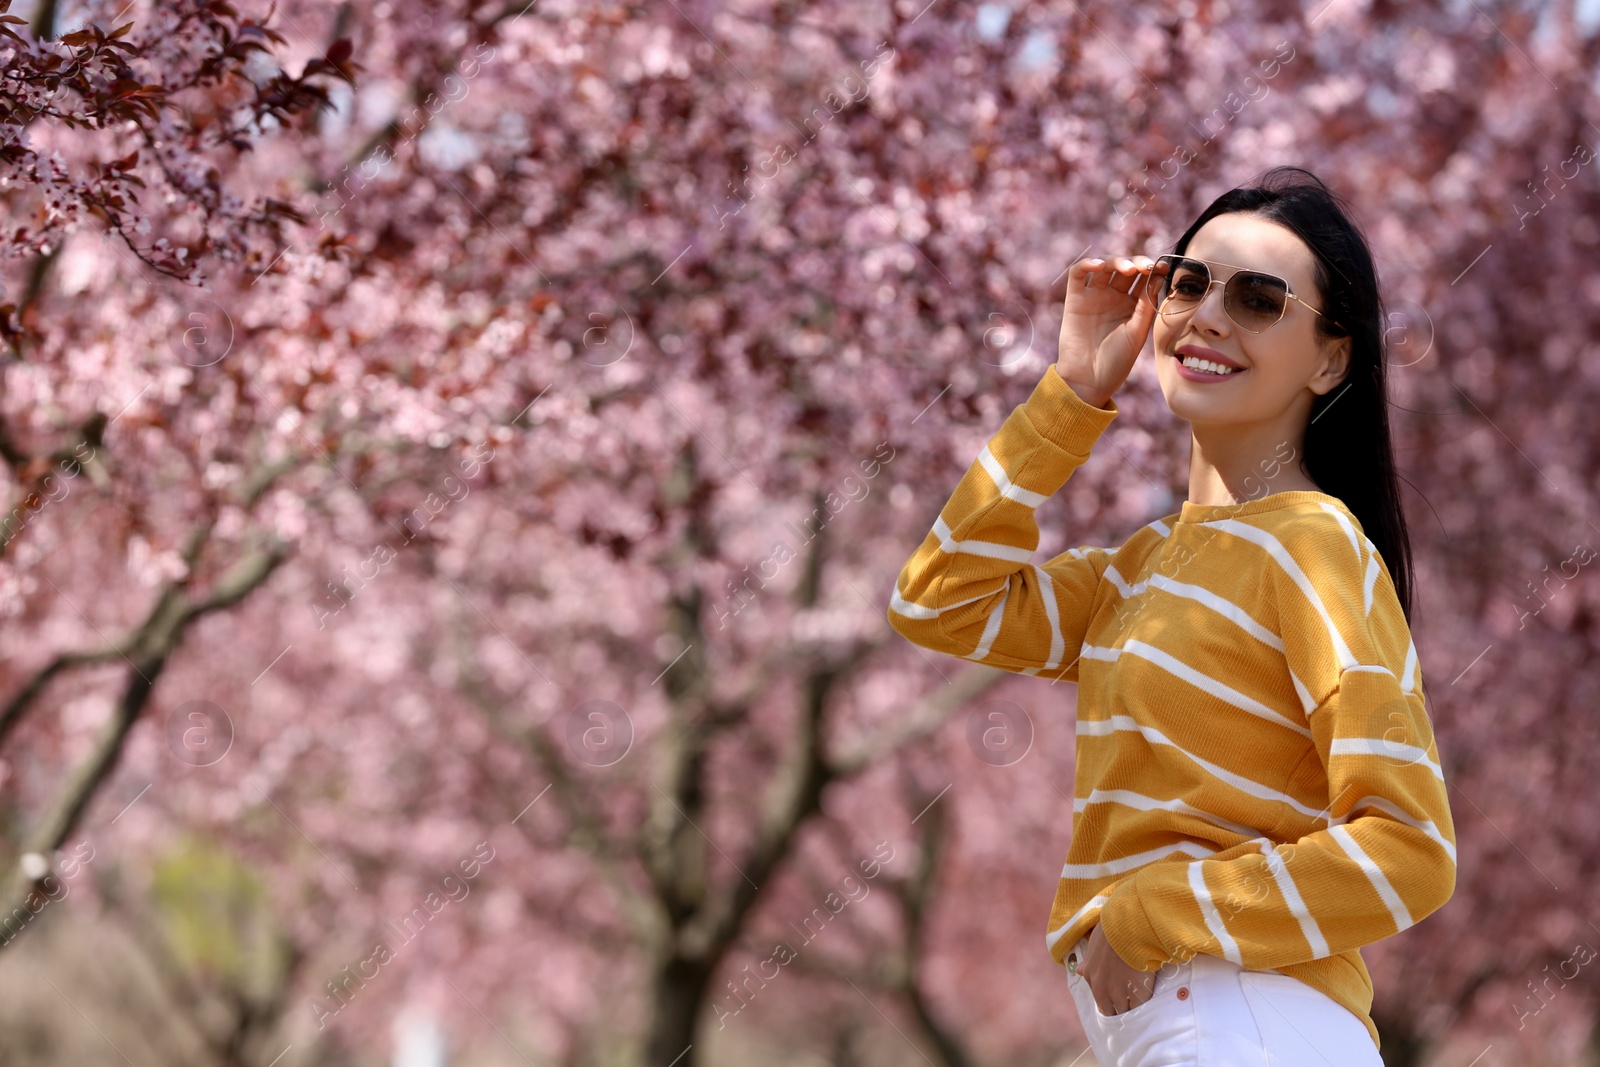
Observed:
{"x":1082,"y":990}
{"x":1156,"y":988}
{"x":1161,"y":1029}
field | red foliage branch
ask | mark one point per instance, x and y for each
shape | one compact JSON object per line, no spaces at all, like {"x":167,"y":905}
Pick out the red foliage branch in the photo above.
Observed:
{"x":122,"y":86}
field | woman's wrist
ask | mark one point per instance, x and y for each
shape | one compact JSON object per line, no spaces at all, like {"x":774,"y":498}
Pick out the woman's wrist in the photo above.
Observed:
{"x":1088,"y":394}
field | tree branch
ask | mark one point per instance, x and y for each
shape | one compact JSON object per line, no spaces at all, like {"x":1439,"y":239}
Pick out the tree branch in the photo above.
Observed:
{"x":587,"y":834}
{"x":251,"y":490}
{"x":925,"y":720}
{"x":150,"y":648}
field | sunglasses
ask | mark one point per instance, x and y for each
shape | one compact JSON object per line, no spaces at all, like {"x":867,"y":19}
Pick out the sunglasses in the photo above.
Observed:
{"x":1254,"y":300}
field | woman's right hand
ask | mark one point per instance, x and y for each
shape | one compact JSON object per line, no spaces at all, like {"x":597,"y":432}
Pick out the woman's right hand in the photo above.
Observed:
{"x":1115,"y":986}
{"x":1104,"y":323}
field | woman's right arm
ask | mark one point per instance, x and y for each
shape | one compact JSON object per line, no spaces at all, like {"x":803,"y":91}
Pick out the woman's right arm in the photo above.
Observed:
{"x":970,"y":589}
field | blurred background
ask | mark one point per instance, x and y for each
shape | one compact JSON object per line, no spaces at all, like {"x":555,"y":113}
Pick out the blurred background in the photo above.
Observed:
{"x":457,"y":457}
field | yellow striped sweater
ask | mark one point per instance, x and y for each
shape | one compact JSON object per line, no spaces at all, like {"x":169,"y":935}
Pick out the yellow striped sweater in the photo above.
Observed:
{"x":1256,"y":777}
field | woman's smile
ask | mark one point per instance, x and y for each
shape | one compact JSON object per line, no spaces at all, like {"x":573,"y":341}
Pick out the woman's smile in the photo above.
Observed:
{"x":1196,"y":363}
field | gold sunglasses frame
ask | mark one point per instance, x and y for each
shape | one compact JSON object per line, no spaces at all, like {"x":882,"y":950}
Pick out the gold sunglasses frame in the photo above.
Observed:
{"x":1153,"y":281}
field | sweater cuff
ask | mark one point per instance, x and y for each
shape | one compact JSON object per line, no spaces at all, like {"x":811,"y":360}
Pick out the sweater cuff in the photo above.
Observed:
{"x":1063,"y":419}
{"x":1126,"y":926}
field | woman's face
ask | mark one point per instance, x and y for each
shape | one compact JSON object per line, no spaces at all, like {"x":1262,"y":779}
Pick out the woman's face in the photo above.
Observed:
{"x":1285,"y":365}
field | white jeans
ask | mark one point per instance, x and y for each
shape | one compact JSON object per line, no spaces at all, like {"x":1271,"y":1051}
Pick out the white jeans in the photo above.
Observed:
{"x":1207,"y":1012}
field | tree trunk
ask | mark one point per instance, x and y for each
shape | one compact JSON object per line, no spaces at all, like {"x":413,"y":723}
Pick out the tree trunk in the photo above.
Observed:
{"x":679,"y":994}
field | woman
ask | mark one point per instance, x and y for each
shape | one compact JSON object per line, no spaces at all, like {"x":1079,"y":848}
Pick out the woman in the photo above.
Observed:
{"x":1258,"y":793}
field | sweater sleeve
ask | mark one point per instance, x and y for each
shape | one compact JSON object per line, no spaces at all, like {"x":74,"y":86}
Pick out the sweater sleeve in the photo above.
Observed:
{"x":970,"y":589}
{"x":1386,"y":856}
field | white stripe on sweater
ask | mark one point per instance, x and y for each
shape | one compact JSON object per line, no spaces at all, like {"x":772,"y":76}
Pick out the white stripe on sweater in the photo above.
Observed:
{"x":1389,"y":808}
{"x":1052,"y":611}
{"x":1214,"y":921}
{"x":1102,"y":727}
{"x":1093,"y":904}
{"x":1222,"y":606}
{"x":991,"y":629}
{"x":1344,"y":524}
{"x":1297,"y":904}
{"x":1204,"y":682}
{"x":1376,"y":746}
{"x":1141,"y":802}
{"x":1002,"y":481}
{"x":1275,"y":549}
{"x":912,"y":610}
{"x":1307,"y":702}
{"x":1126,"y":591}
{"x":990,"y":549}
{"x":1084,"y":871}
{"x":1397,"y":907}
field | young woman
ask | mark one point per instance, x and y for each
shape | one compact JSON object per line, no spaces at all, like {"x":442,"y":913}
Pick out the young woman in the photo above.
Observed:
{"x":1258,"y":793}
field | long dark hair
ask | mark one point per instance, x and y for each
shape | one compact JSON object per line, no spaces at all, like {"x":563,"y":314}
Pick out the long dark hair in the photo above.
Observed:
{"x":1348,"y":452}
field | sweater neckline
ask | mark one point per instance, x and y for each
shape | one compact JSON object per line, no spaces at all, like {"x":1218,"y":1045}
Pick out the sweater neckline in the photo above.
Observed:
{"x":1193,"y":513}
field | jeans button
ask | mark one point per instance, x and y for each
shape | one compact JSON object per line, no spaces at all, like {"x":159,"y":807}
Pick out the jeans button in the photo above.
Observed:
{"x":1183,"y":992}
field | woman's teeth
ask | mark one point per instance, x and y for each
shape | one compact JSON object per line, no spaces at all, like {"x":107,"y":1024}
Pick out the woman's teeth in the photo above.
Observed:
{"x":1196,"y":363}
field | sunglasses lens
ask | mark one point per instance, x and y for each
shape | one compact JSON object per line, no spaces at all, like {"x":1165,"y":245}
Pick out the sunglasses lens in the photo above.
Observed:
{"x":1182,"y":286}
{"x":1255,"y":301}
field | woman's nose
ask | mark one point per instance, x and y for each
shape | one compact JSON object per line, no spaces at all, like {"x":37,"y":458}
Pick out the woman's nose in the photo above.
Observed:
{"x":1211,"y":314}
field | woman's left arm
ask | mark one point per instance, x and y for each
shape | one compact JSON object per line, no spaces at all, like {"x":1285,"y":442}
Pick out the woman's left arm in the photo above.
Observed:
{"x":1387,"y":856}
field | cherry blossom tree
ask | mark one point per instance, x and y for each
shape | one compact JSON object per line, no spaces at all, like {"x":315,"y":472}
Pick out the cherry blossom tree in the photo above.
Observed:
{"x":482,"y":438}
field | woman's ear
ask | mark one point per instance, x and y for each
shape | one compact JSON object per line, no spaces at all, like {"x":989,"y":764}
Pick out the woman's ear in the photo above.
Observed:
{"x":1335,"y":364}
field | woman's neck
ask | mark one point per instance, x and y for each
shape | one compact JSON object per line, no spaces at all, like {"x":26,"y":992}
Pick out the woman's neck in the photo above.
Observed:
{"x":1232,"y":464}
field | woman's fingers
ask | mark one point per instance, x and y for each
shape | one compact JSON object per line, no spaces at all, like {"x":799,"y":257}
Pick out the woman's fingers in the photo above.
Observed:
{"x":1133,"y":271}
{"x":1122,"y":273}
{"x":1137,"y":987}
{"x":1127,"y":276}
{"x":1125,"y":1003}
{"x":1084,"y":272}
